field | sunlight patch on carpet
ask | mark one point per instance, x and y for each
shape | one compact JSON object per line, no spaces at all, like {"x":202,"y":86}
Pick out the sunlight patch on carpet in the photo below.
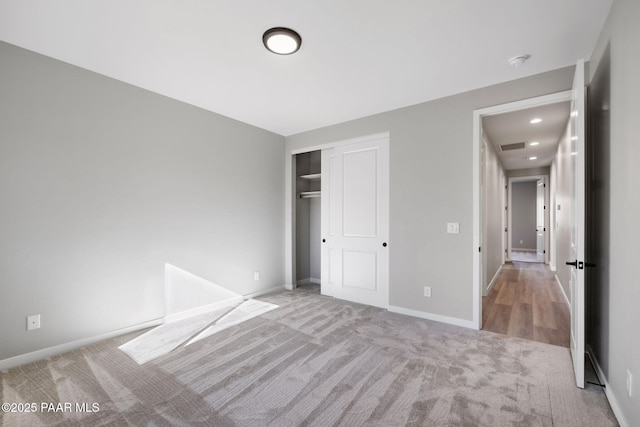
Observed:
{"x":245,"y":311}
{"x":165,"y":338}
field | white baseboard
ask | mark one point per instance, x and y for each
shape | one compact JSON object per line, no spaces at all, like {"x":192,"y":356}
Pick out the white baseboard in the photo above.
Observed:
{"x":435,"y":317}
{"x":34,"y":356}
{"x":493,"y":281}
{"x":613,"y":402}
{"x":268,"y":291}
{"x":566,"y":299}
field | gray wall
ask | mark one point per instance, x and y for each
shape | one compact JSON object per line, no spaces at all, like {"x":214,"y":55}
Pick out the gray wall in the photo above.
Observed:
{"x":616,"y":345}
{"x":523,"y":215}
{"x":431,"y":183}
{"x":493,"y":213}
{"x":103,"y":183}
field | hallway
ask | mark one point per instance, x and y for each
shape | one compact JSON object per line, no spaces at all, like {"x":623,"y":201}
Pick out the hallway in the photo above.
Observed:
{"x":527,"y":302}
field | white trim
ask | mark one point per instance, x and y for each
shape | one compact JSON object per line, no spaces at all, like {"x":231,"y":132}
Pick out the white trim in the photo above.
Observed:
{"x":339,"y":143}
{"x":547,"y":216}
{"x":266,"y":291}
{"x":495,"y":277}
{"x":477,"y":141}
{"x":44,"y":353}
{"x":430,"y":316}
{"x":566,"y":300}
{"x":613,"y":402}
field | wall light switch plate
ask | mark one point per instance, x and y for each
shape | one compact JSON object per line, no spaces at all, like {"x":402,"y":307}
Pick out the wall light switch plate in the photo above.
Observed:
{"x":453,"y":227}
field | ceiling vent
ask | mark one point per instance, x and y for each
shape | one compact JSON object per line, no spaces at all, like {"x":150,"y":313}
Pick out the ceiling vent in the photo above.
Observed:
{"x":514,"y":146}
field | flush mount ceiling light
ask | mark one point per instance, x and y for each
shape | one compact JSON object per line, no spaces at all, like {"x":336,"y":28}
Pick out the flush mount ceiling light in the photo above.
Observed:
{"x":281,"y":41}
{"x":536,"y":120}
{"x":532,"y":158}
{"x":533,"y":143}
{"x":518,"y":60}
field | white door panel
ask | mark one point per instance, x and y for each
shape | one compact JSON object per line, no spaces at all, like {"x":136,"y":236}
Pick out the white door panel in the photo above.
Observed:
{"x":576,"y":254}
{"x":355,"y":197}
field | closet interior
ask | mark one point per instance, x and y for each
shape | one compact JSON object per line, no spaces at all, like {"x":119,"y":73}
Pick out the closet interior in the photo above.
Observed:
{"x":308,"y":178}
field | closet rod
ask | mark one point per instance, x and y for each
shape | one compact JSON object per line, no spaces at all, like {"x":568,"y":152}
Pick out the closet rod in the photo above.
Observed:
{"x":309,"y":194}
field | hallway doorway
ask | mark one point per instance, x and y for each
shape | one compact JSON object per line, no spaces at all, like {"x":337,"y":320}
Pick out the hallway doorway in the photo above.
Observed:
{"x":526,"y":302}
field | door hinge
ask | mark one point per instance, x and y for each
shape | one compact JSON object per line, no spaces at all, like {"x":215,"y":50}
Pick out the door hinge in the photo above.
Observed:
{"x":545,"y":207}
{"x":544,"y":251}
{"x":544,"y":228}
{"x":479,"y":249}
{"x":505,"y":229}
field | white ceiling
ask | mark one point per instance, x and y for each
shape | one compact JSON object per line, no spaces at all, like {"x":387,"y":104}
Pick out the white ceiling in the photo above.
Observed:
{"x":513,"y":127}
{"x":358,"y":57}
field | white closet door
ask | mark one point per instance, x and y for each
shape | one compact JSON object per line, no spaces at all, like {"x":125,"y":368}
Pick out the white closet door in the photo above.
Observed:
{"x":355,"y":222}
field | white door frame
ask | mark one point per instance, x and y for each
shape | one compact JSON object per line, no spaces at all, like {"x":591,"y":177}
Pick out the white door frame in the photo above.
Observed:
{"x":290,"y":198}
{"x":513,"y":179}
{"x":477,"y":179}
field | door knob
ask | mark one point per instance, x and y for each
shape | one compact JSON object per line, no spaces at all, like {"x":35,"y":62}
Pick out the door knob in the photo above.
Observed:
{"x":324,"y":240}
{"x":574,"y":263}
{"x":384,"y":244}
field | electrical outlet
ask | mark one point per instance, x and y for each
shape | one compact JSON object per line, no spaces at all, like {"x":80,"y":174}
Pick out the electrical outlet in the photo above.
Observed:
{"x":256,"y":275}
{"x":629,"y":383}
{"x":427,"y":291}
{"x":33,"y":322}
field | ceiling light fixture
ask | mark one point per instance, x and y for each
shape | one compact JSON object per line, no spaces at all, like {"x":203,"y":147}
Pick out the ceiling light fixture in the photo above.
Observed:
{"x":534,"y":143}
{"x":536,"y":120}
{"x":533,"y":158}
{"x":281,"y":41}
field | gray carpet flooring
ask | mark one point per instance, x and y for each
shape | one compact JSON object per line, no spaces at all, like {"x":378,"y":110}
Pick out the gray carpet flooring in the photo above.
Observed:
{"x":314,"y":361}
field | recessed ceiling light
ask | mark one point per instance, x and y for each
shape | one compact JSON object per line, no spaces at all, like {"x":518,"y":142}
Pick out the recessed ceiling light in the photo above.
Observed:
{"x":536,"y":120}
{"x":533,"y":143}
{"x":282,"y":41}
{"x":533,"y":158}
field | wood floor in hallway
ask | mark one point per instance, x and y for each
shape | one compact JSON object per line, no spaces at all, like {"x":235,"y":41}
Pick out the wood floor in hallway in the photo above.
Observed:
{"x":526,"y":302}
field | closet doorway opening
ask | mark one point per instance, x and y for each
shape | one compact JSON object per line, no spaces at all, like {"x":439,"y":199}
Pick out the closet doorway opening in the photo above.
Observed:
{"x":308,"y":179}
{"x":351,"y":191}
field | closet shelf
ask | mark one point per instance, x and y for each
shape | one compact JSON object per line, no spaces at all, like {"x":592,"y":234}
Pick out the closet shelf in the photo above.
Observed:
{"x":308,"y":194}
{"x":311,"y":177}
